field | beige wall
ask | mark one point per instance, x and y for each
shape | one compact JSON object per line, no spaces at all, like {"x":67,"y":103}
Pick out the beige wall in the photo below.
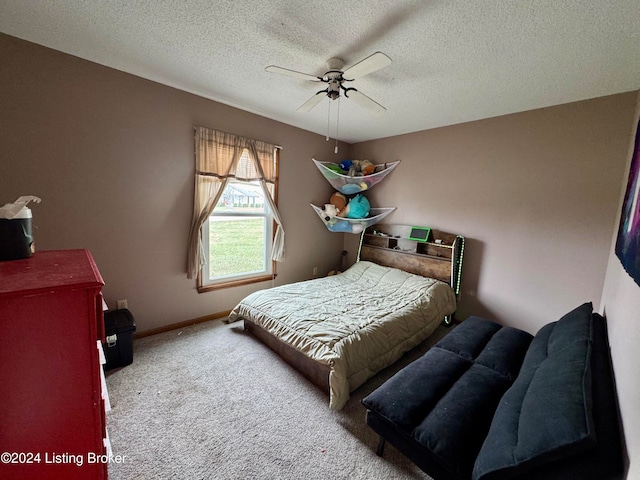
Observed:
{"x":111,"y":156}
{"x":621,"y":305}
{"x":535,"y":194}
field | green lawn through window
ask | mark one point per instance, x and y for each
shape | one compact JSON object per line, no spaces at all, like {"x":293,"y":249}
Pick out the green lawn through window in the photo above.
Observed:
{"x":237,"y":246}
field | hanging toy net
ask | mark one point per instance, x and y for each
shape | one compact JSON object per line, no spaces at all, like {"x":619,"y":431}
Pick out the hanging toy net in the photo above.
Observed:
{"x":350,"y":185}
{"x":352,"y":225}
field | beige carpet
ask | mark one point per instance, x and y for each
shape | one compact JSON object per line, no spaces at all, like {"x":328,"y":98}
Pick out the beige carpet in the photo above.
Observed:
{"x":212,"y":402}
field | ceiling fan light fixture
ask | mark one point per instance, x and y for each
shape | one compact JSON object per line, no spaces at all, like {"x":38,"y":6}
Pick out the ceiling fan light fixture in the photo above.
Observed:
{"x":333,"y":89}
{"x":335,"y":64}
{"x":334,"y":78}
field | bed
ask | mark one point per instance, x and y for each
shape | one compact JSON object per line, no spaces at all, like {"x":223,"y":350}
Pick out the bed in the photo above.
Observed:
{"x":340,"y":330}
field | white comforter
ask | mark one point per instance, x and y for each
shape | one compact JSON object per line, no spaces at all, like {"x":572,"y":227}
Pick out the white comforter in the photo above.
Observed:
{"x":358,"y":322}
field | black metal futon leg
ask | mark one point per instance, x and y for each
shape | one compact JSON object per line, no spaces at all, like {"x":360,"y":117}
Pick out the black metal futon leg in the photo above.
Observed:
{"x":380,"y":449}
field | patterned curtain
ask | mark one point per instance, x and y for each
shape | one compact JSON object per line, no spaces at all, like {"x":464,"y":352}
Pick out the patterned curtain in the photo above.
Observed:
{"x":217,"y":160}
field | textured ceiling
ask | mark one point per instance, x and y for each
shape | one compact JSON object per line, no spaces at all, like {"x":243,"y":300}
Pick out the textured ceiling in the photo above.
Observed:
{"x":453,"y":61}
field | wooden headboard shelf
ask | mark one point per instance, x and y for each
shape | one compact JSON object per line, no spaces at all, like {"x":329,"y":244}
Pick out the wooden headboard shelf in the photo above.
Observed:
{"x":437,"y":267}
{"x":439,"y":257}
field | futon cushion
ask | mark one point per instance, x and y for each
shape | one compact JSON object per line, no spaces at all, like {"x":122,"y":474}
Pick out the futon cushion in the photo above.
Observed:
{"x":547,"y":413}
{"x":438,"y":409}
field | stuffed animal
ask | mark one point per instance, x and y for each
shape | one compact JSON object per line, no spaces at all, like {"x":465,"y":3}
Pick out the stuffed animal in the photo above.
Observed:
{"x":353,"y":188}
{"x":358,"y":207}
{"x":357,"y":228}
{"x":345,"y":165}
{"x":330,"y":211}
{"x":340,"y":225}
{"x":353,"y":168}
{"x":358,"y":168}
{"x":339,"y":201}
{"x":335,"y":168}
{"x":366,"y":167}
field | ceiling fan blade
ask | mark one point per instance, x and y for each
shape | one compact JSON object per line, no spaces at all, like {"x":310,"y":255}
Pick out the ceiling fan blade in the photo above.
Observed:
{"x":292,"y":73}
{"x":312,"y":102}
{"x":364,"y":67}
{"x":365,"y":102}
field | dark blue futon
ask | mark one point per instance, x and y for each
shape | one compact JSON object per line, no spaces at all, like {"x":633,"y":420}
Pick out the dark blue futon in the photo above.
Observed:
{"x":489,"y":402}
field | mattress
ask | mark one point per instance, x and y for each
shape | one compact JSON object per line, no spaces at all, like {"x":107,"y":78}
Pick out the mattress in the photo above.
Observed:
{"x":357,"y":322}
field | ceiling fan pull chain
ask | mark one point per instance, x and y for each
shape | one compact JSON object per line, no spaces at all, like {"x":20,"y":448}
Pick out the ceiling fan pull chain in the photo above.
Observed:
{"x":337,"y":126}
{"x":328,"y":120}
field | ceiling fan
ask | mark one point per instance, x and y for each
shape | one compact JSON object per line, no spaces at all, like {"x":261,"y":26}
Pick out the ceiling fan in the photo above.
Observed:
{"x":335,"y":78}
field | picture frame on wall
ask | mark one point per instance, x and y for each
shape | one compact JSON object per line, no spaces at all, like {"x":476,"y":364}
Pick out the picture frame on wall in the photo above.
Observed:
{"x":628,"y":241}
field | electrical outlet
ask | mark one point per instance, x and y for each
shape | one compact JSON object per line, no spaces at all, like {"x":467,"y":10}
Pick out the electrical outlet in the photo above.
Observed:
{"x":120,"y":304}
{"x":315,"y":271}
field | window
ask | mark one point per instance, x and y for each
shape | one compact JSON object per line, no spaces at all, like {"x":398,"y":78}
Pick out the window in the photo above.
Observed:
{"x":236,"y":233}
{"x":237,"y":236}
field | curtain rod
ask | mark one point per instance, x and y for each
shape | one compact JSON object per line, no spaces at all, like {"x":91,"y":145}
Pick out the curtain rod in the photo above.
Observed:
{"x":279,"y":147}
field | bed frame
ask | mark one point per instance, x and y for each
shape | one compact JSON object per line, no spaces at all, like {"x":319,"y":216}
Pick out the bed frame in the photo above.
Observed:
{"x":317,"y":373}
{"x":441,"y":260}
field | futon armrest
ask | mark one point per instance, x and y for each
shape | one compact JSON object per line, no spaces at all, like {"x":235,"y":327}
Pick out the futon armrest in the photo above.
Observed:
{"x":554,"y":422}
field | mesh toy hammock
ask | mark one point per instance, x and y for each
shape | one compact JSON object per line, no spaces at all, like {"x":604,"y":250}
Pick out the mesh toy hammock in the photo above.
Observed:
{"x":352,"y":225}
{"x":351,"y":185}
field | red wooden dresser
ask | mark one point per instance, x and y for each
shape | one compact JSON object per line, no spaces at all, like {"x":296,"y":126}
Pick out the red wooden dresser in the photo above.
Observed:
{"x":52,"y":415}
